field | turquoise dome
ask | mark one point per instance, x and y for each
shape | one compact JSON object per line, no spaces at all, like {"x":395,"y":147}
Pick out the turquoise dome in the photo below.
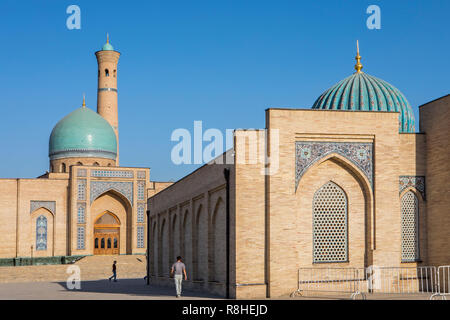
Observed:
{"x":83,"y":133}
{"x":362,"y":92}
{"x":107,"y":47}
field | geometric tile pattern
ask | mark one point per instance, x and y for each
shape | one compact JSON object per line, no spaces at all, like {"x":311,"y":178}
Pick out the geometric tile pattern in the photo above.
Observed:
{"x":49,"y":205}
{"x":307,"y":153}
{"x":141,"y":174}
{"x":140,"y":212}
{"x":330,"y":224}
{"x":81,"y":212}
{"x":140,"y":236}
{"x":410,"y":227}
{"x":141,"y":190}
{"x":81,"y":189}
{"x":41,"y":233}
{"x":80,"y":238}
{"x":100,"y":187}
{"x":417,"y":182}
{"x":112,"y":173}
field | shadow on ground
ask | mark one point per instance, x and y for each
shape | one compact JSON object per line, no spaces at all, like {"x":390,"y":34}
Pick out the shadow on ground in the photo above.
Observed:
{"x":134,"y":287}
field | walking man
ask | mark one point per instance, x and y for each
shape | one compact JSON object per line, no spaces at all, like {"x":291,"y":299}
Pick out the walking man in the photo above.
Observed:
{"x":114,"y":270}
{"x":179,"y":269}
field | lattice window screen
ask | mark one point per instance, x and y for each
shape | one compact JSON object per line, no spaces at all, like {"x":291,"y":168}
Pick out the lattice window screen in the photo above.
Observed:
{"x":81,"y":208}
{"x":410,"y":215}
{"x":80,"y":238}
{"x":330,"y":224}
{"x":81,"y":189}
{"x":140,"y":212}
{"x":140,"y":236}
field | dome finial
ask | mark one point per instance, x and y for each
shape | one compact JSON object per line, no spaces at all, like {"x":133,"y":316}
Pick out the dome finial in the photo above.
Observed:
{"x":84,"y":100}
{"x":107,"y":37}
{"x":358,"y":65}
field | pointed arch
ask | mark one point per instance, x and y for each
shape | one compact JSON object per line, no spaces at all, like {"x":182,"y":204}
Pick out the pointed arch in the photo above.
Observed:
{"x":106,"y":215}
{"x":217,"y":236}
{"x":164,"y":248}
{"x":362,"y":180}
{"x":121,"y":191}
{"x":201,"y":245}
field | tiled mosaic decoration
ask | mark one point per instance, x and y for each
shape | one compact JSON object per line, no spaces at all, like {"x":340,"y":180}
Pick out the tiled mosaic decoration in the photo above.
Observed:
{"x":41,"y":233}
{"x":307,"y":153}
{"x":417,"y":182}
{"x":49,"y":205}
{"x":100,"y":187}
{"x":112,"y":173}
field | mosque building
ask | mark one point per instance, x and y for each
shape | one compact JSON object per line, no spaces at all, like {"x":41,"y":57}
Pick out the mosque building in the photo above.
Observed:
{"x":346,"y":183}
{"x":86,"y":204}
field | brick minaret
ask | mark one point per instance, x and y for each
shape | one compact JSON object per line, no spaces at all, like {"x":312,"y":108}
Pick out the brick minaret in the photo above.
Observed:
{"x":107,"y":60}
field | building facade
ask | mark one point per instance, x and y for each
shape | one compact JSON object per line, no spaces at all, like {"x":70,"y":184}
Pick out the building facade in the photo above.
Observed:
{"x":85,"y":204}
{"x":347,"y":183}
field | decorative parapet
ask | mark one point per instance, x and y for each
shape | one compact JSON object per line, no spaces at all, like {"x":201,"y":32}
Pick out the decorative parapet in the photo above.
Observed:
{"x":112,"y":173}
{"x":309,"y":152}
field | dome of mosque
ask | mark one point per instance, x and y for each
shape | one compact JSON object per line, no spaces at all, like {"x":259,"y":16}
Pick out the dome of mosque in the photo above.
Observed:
{"x":363,"y":92}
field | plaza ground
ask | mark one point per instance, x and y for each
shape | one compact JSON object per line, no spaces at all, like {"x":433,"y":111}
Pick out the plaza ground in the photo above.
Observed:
{"x":136,"y":289}
{"x":123,"y":289}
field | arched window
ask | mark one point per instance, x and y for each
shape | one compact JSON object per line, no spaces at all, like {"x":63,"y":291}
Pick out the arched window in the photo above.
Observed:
{"x":106,"y":73}
{"x":109,"y":243}
{"x":114,"y":73}
{"x":63,"y":167}
{"x":115,"y":243}
{"x":103,"y":243}
{"x":410,"y":227}
{"x":330,"y":225}
{"x":41,"y":233}
{"x":96,"y":164}
{"x":96,"y":243}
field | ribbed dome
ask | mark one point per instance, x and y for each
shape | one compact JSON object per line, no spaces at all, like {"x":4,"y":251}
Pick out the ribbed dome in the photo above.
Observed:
{"x":83,"y":133}
{"x":363,"y":92}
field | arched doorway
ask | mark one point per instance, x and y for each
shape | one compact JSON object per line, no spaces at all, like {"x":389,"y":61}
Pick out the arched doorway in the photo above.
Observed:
{"x":107,"y":234}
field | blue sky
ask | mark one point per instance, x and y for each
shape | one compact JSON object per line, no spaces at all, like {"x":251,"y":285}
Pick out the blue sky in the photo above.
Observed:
{"x":222,"y":62}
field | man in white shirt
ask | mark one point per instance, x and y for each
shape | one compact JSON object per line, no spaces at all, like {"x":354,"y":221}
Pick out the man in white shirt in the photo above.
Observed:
{"x":179,"y":269}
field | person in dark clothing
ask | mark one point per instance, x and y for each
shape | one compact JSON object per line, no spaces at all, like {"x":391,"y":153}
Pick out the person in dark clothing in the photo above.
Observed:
{"x":114,"y":270}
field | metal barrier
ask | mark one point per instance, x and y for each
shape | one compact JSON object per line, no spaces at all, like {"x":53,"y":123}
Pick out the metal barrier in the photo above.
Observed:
{"x":401,"y":280}
{"x":374,"y":280}
{"x":331,"y":280}
{"x":443,"y":283}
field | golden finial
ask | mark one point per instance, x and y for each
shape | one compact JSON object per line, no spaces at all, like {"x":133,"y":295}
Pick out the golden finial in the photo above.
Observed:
{"x":84,"y":101}
{"x":358,"y":65}
{"x":107,"y":37}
